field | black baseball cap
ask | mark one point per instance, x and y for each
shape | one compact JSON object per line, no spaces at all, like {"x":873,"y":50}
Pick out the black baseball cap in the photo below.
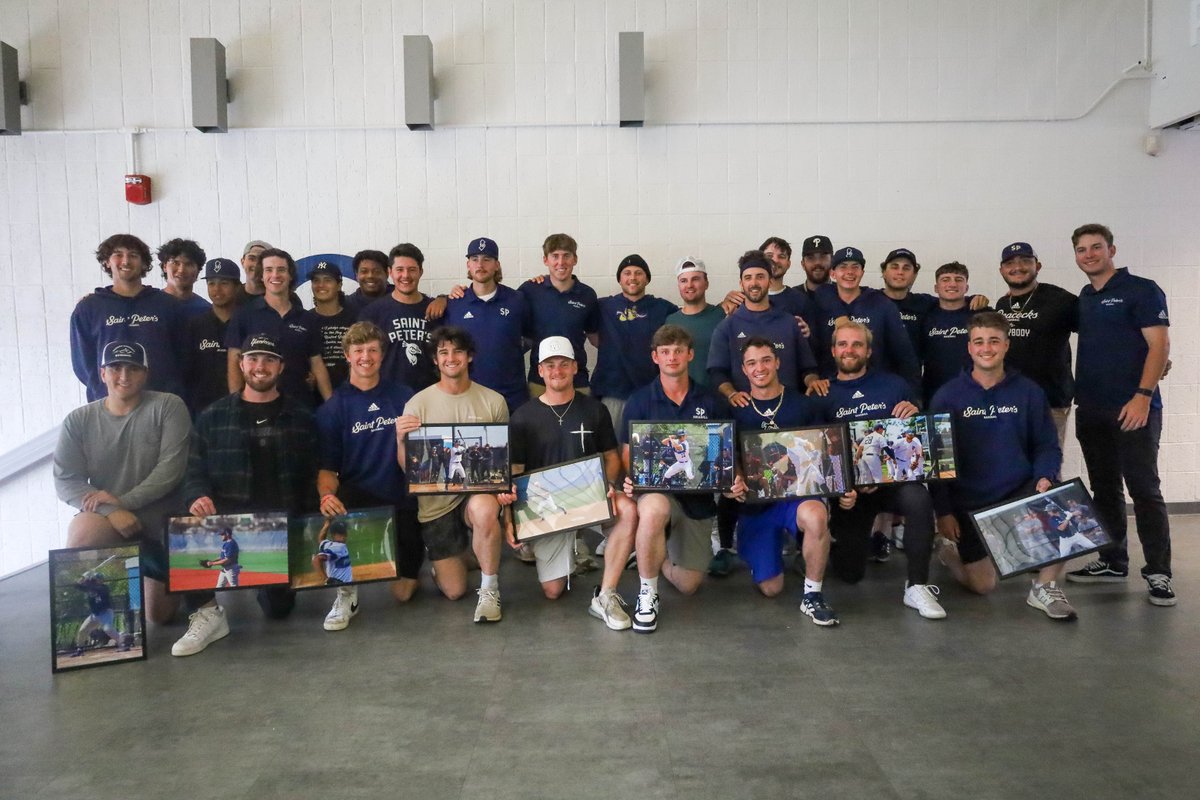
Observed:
{"x":261,"y":344}
{"x":816,"y":244}
{"x":124,"y":353}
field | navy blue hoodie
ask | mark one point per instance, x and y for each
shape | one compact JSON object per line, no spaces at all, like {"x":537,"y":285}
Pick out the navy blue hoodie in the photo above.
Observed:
{"x":1006,"y":438}
{"x":891,"y":349}
{"x":870,"y":396}
{"x":777,"y":326}
{"x":152,"y":318}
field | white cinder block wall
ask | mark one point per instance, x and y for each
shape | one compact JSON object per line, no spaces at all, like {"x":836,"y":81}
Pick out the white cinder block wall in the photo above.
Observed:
{"x":875,"y":122}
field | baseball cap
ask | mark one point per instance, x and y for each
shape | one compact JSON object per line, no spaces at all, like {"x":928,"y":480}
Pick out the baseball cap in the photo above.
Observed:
{"x":689,"y":264}
{"x":253,"y":243}
{"x":222,"y":268}
{"x":553,"y":346}
{"x":124,"y":353}
{"x":849,"y":254}
{"x":816,"y":244}
{"x":326,"y":269}
{"x":1017,"y":250}
{"x":483,"y":246}
{"x":901,"y":252}
{"x":260,"y":344}
{"x":337,"y":527}
{"x":633,"y":260}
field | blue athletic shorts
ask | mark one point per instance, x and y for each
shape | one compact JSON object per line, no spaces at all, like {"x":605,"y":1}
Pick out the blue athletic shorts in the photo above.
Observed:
{"x":761,"y":533}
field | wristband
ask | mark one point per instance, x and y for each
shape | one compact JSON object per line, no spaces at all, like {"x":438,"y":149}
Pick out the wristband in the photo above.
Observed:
{"x":1144,"y":392}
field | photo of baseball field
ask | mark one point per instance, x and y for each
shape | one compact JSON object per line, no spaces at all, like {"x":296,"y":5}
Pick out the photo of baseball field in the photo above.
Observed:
{"x":96,"y":612}
{"x":673,"y":456}
{"x":356,"y":547}
{"x":1042,"y":529}
{"x":942,"y":432}
{"x":561,"y":498}
{"x":891,"y":450}
{"x":457,"y":459}
{"x":227,"y":551}
{"x":800,"y":462}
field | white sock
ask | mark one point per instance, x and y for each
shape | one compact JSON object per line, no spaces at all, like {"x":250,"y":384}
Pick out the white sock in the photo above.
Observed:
{"x":811,"y":586}
{"x":489,"y":581}
{"x":650,"y":584}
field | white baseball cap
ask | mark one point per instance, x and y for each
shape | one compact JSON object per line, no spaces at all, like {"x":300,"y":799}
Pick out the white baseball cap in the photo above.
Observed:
{"x":689,"y":264}
{"x":553,"y":346}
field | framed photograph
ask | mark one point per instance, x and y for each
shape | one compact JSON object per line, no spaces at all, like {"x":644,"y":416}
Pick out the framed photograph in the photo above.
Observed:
{"x":458,"y":459}
{"x":1042,"y":529}
{"x":673,"y":456}
{"x":797,"y":462}
{"x":96,"y":611}
{"x":561,"y":498}
{"x":227,"y":551}
{"x":893,"y":450}
{"x":356,"y":547}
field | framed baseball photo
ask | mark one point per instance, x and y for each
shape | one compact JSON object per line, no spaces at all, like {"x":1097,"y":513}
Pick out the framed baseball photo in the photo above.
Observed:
{"x":561,"y":498}
{"x":1041,"y":529}
{"x":673,"y":456}
{"x":797,"y":462}
{"x":227,"y":551}
{"x":96,"y":611}
{"x":458,"y":459}
{"x":893,"y":450}
{"x":356,"y":547}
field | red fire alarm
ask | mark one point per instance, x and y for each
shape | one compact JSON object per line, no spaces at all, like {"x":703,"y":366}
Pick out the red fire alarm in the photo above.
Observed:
{"x":137,"y":189}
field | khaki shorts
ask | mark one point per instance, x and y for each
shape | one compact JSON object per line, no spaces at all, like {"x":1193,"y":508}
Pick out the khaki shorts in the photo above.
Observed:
{"x":689,"y":541}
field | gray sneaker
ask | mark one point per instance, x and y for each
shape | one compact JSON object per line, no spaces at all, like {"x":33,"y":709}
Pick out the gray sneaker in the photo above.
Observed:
{"x":1051,"y":600}
{"x":488,"y":607}
{"x":610,"y":607}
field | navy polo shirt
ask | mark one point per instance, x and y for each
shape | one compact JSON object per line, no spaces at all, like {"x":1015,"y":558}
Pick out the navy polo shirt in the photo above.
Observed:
{"x":778,"y":327}
{"x":357,"y":432}
{"x":573,"y":314}
{"x":651,"y":403}
{"x":498,"y":326}
{"x":892,"y":350}
{"x":869,"y":396}
{"x":944,"y":347}
{"x":623,"y":363}
{"x":296,"y":334}
{"x":1112,"y":350}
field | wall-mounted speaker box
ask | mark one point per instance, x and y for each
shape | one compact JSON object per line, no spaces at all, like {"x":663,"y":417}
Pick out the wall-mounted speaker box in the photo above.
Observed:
{"x":210,"y":88}
{"x":418,"y":83}
{"x":631,"y":60}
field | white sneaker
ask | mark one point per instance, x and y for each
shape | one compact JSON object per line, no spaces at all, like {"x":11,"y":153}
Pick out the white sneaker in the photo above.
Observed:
{"x":488,"y":607}
{"x":645,"y":616}
{"x":610,"y":607}
{"x":345,"y":606}
{"x":923,"y":597}
{"x":205,"y":626}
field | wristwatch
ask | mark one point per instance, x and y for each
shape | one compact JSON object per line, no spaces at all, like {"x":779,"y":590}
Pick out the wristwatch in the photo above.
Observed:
{"x":1144,"y":392}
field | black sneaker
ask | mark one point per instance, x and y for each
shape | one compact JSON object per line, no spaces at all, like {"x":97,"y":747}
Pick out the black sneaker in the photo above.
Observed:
{"x":881,"y":547}
{"x":1161,"y":593}
{"x":813,"y":604}
{"x":1099,"y":571}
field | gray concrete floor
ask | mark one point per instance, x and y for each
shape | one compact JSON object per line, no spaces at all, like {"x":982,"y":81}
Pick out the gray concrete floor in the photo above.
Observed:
{"x":734,"y":696}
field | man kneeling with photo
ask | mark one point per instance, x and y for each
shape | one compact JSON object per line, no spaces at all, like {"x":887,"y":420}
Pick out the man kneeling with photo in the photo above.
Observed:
{"x":1014,"y":452}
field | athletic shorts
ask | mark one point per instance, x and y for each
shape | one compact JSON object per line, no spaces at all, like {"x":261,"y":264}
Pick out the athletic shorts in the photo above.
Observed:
{"x":448,"y":535}
{"x":762,"y":532}
{"x":555,"y":555}
{"x":689,"y":541}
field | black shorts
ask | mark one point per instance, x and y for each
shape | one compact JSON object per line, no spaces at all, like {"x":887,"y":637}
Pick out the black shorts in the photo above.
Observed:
{"x":447,"y":535}
{"x":970,"y":546}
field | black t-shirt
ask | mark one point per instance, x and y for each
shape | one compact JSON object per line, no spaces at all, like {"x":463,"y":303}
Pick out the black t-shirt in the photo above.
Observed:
{"x":266,"y":445}
{"x":1039,"y":343}
{"x":207,"y":361}
{"x":329,"y":332}
{"x":538,"y":440}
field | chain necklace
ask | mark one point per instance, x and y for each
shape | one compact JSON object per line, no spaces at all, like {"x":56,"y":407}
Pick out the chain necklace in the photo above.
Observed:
{"x":1015,"y":304}
{"x":566,"y":410}
{"x":768,"y":414}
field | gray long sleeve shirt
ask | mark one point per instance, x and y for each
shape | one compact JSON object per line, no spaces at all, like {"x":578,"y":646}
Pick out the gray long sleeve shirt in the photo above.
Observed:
{"x":138,"y":458}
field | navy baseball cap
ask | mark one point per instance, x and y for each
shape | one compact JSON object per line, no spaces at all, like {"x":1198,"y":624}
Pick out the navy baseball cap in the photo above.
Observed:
{"x":261,"y":344}
{"x":633,"y":260}
{"x":483,"y":246}
{"x":223,"y":269}
{"x":324,"y":268}
{"x":849,"y":254}
{"x":1017,"y":250}
{"x":901,"y":252}
{"x":124,"y":353}
{"x":816,"y":244}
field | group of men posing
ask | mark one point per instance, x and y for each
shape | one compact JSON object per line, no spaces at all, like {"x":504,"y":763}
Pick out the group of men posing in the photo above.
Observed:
{"x":769,"y":357}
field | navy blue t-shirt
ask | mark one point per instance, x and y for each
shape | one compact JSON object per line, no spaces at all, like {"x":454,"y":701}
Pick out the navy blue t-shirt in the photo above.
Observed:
{"x":776,"y":326}
{"x":573,"y":314}
{"x":944,"y":347}
{"x":295,"y":332}
{"x":793,"y":410}
{"x":1112,"y":350}
{"x":872,"y":395}
{"x":498,"y":326}
{"x":794,"y":302}
{"x":913,"y":309}
{"x":357,"y":432}
{"x":407,"y":359}
{"x":623,"y":362}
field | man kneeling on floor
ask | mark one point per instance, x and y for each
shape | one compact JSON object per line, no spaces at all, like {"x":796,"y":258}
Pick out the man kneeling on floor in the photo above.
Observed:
{"x":674,"y":532}
{"x":1014,"y":451}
